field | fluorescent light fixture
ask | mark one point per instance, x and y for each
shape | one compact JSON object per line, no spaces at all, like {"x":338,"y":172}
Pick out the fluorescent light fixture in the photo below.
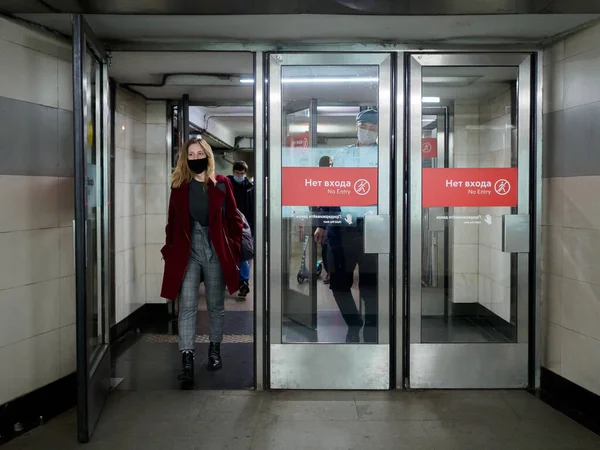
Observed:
{"x":431,"y":99}
{"x":330,"y":80}
{"x":452,"y":81}
{"x":301,"y":80}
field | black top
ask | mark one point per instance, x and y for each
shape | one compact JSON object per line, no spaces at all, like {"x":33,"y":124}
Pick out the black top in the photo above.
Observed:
{"x":199,"y":203}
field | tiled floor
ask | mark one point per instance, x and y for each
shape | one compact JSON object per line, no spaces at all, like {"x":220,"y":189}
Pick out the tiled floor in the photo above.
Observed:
{"x":214,"y":420}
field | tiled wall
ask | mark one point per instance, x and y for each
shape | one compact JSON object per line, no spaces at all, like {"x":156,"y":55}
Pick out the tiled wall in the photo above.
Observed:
{"x":37,"y":282}
{"x":157,"y":187}
{"x":130,"y":203}
{"x":571,"y":209}
{"x":465,"y":236}
{"x":495,"y":150}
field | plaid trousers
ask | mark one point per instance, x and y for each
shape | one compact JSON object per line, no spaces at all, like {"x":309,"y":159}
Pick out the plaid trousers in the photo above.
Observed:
{"x":204,"y":266}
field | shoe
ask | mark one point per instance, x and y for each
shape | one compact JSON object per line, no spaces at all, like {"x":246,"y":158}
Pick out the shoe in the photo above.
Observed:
{"x":244,"y":289}
{"x":187,"y":367}
{"x":353,"y":335}
{"x":214,"y":356}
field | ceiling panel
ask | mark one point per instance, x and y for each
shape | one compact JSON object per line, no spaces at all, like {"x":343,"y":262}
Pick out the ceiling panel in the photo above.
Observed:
{"x":400,"y":7}
{"x":305,"y":28}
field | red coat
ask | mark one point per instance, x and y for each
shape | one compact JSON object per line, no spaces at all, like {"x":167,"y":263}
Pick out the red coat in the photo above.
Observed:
{"x":176,"y":251}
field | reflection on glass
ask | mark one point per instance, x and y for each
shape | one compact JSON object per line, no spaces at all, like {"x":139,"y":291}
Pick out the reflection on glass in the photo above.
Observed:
{"x":93,"y":235}
{"x":329,"y":125}
{"x":467,"y":286}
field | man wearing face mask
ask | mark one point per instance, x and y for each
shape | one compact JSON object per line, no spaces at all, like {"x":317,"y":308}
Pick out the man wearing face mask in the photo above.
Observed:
{"x":345,"y":240}
{"x":243,"y":191}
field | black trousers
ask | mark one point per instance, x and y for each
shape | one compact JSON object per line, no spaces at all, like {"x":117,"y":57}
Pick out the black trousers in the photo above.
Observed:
{"x":345,"y":252}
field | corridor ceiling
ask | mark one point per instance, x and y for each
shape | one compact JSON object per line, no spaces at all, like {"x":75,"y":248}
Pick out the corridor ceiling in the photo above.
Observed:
{"x":376,"y":7}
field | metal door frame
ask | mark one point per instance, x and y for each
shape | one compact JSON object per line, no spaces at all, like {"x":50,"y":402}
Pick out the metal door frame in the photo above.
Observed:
{"x":428,"y":361}
{"x":93,"y":376}
{"x":365,"y":366}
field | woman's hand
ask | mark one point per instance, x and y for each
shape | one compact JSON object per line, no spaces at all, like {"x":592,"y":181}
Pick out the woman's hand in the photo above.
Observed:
{"x":320,"y":235}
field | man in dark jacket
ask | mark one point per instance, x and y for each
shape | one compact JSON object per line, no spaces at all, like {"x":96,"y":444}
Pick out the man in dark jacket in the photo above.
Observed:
{"x":243,"y":191}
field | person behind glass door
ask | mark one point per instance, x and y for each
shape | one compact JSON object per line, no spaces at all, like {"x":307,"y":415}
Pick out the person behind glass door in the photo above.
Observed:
{"x":345,"y":240}
{"x":203,"y":241}
{"x":325,"y":161}
{"x":243,"y":191}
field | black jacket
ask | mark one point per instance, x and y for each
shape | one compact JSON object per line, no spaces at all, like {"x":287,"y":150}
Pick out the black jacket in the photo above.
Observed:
{"x":244,"y":197}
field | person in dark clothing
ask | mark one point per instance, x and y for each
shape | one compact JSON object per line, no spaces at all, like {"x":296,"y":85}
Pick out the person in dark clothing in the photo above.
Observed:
{"x":346,"y":243}
{"x":243,"y":191}
{"x":325,"y":161}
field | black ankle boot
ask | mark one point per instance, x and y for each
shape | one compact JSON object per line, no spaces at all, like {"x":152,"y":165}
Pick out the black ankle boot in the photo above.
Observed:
{"x":187,"y":367}
{"x":214,"y":356}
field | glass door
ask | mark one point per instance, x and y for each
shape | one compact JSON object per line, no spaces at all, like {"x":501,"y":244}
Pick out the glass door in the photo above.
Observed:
{"x":469,"y":219}
{"x":300,"y":295}
{"x":329,"y":220}
{"x":91,"y":225}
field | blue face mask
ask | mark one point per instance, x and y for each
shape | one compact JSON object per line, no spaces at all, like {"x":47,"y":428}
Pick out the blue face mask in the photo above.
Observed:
{"x":238,"y":179}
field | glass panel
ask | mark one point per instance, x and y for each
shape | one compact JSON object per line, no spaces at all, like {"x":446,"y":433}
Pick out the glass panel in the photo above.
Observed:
{"x":329,"y":183}
{"x":469,"y":134}
{"x":94,"y":175}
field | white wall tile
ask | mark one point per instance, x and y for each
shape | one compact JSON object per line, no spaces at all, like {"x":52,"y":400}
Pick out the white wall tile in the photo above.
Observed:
{"x":465,"y":233}
{"x":67,"y":300}
{"x":553,"y":91}
{"x":581,"y":208}
{"x":465,"y":288}
{"x":124,"y":131}
{"x":580,"y":259}
{"x":552,"y":248}
{"x":65,"y":85}
{"x":156,"y":112}
{"x":484,"y":291}
{"x":123,"y":233}
{"x":552,"y":295}
{"x":28,"y":257}
{"x":153,"y":286}
{"x":32,"y":202}
{"x":465,"y":258}
{"x":156,"y":139}
{"x":554,"y":53}
{"x":139,"y":137}
{"x":551,"y":347}
{"x":66,"y":202}
{"x":139,"y":262}
{"x":66,"y":253}
{"x":156,"y":168}
{"x":581,"y":85}
{"x":28,"y":365}
{"x":552,"y":198}
{"x":154,"y":262}
{"x":155,"y":228}
{"x":31,"y":76}
{"x":68,"y":350}
{"x":34,"y":39}
{"x":27,"y":311}
{"x":581,"y":307}
{"x":138,"y":198}
{"x":139,"y":230}
{"x":580,"y":359}
{"x":582,"y":41}
{"x":156,"y":199}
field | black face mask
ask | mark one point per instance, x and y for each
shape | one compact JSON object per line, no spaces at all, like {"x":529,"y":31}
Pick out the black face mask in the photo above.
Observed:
{"x":198,"y":165}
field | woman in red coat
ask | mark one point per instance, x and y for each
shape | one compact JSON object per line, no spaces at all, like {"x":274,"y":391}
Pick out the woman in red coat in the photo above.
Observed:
{"x":203,"y":239}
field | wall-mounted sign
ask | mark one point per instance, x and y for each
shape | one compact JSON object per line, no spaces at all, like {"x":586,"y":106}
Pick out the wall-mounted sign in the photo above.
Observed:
{"x":301,"y":140}
{"x":328,"y":186}
{"x":429,"y":147}
{"x":470,"y":187}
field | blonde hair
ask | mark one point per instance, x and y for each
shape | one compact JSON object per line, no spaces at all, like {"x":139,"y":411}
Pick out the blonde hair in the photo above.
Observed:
{"x":183,"y":174}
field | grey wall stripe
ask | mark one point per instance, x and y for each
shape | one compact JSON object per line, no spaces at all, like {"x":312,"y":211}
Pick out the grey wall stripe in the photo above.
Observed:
{"x":572,"y":142}
{"x":35,"y":140}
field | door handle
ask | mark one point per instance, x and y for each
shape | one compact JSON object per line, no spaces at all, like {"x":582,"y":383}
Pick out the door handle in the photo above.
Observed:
{"x":377,"y":234}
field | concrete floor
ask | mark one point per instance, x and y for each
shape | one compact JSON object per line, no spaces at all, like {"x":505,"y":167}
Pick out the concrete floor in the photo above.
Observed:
{"x":214,"y":420}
